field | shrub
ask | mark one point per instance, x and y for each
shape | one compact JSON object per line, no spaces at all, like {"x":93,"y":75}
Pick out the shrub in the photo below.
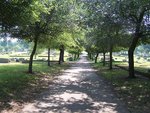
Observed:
{"x":25,"y":61}
{"x":21,"y":59}
{"x":70,"y":59}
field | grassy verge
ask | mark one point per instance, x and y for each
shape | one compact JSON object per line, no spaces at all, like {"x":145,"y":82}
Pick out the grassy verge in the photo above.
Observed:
{"x":19,"y":86}
{"x":142,"y":67}
{"x":135,"y":92}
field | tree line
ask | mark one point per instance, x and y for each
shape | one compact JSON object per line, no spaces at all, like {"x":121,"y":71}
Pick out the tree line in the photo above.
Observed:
{"x":46,"y":23}
{"x":114,"y":25}
{"x":100,"y":26}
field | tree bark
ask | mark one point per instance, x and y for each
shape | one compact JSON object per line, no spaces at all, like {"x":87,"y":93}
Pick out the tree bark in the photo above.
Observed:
{"x":104,"y":63}
{"x":96,"y":57}
{"x":75,"y":56}
{"x":110,"y":54}
{"x":33,"y":53}
{"x":78,"y":54}
{"x":63,"y":51}
{"x":135,"y":40}
{"x":131,"y":56}
{"x":49,"y":57}
{"x":61,"y":55}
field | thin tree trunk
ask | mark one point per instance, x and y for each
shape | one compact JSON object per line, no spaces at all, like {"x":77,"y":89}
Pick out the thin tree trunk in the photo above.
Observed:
{"x":63,"y":51}
{"x":74,"y":57}
{"x":110,"y":54}
{"x":96,"y":57}
{"x":32,"y":54}
{"x":61,"y":55}
{"x":78,"y":54}
{"x":132,"y":48}
{"x":131,"y":57}
{"x":104,"y":63}
{"x":136,"y":37}
{"x":49,"y":57}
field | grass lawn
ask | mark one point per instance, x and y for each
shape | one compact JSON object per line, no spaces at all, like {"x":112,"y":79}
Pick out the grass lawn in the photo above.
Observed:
{"x":135,"y":92}
{"x":143,"y":67}
{"x":140,"y":64}
{"x":19,"y":86}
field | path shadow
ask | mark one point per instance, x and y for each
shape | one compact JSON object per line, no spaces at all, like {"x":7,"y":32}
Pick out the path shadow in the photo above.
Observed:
{"x":80,"y":90}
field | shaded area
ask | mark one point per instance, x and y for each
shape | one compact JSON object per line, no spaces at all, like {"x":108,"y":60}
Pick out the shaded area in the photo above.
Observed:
{"x":18,"y":87}
{"x":80,"y":90}
{"x":136,"y":71}
{"x":135,"y":92}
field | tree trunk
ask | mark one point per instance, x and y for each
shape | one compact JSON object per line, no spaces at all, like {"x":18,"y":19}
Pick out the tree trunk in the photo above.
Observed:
{"x":74,"y":57}
{"x":49,"y":57}
{"x":63,"y":51}
{"x":131,"y":56}
{"x":134,"y":42}
{"x":96,"y":57}
{"x":61,"y":55}
{"x":78,"y":54}
{"x":33,"y":52}
{"x":110,"y":54}
{"x":104,"y":63}
{"x":136,"y":37}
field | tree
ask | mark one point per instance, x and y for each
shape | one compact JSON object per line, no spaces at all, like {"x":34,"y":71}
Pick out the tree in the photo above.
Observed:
{"x":135,"y":11}
{"x":49,"y":19}
{"x":14,"y":12}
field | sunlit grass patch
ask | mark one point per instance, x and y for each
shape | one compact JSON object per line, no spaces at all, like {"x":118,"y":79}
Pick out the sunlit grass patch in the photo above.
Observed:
{"x":143,"y":67}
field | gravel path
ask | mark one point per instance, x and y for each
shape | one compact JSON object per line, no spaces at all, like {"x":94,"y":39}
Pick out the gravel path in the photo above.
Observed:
{"x":77,"y":90}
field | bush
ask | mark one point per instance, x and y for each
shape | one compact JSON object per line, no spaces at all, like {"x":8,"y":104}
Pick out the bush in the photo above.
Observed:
{"x":4,"y":60}
{"x":70,"y":59}
{"x":25,"y":61}
{"x":21,"y":59}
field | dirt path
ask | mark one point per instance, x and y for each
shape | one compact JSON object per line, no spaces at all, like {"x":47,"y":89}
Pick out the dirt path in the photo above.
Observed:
{"x":78,"y":90}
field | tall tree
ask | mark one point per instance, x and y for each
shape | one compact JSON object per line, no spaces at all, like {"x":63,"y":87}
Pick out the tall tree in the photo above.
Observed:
{"x":135,"y":12}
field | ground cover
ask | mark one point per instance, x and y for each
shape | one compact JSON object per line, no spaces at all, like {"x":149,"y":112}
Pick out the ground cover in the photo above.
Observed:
{"x":135,"y":92}
{"x":16,"y":85}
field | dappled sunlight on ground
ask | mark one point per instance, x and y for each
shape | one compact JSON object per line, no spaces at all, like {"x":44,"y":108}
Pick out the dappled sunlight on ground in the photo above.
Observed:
{"x":78,"y":90}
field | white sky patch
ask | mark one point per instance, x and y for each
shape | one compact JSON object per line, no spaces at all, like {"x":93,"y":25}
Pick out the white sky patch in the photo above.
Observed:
{"x":8,"y":38}
{"x":14,"y":40}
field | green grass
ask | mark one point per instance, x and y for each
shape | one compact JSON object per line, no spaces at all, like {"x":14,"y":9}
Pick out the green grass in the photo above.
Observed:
{"x":143,"y":67}
{"x":17,"y":85}
{"x":38,"y":57}
{"x":135,"y":92}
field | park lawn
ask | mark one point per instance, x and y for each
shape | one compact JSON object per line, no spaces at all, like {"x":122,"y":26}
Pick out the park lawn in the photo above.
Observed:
{"x":19,"y":86}
{"x":143,"y":67}
{"x":135,"y":92}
